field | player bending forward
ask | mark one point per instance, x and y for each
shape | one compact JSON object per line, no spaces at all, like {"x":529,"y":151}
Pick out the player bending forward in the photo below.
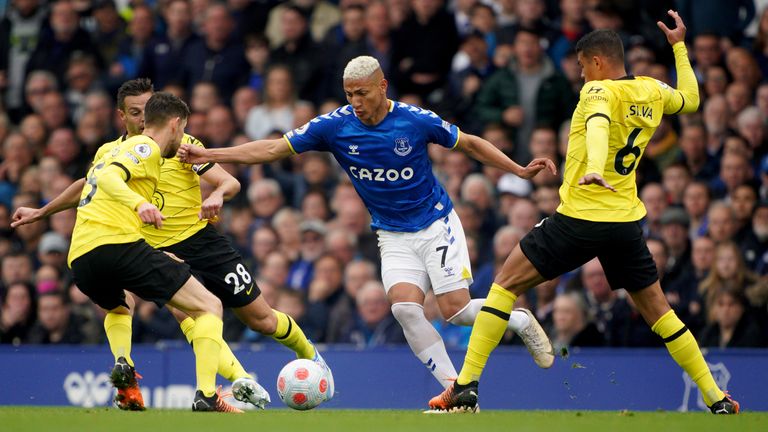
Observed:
{"x":382,"y":145}
{"x":599,"y":212}
{"x":185,"y":232}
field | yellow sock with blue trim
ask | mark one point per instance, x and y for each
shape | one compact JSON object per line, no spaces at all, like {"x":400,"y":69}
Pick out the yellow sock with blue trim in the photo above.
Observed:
{"x":207,"y":343}
{"x":118,"y":329}
{"x":683,"y":348}
{"x":489,"y":327}
{"x":229,"y":366}
{"x":290,"y":334}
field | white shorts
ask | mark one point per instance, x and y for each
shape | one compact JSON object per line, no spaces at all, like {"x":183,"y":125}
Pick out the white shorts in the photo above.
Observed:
{"x":435,"y":257}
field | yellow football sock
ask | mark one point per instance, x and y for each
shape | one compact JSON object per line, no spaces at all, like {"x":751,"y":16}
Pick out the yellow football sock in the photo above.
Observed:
{"x":118,"y":328}
{"x":290,"y":334}
{"x":489,"y":327}
{"x":684,"y":349}
{"x":187,"y":326}
{"x":207,"y":343}
{"x":229,"y":366}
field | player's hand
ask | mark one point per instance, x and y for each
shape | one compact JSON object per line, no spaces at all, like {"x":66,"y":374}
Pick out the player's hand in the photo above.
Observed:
{"x":537,"y":165}
{"x":595,"y":179}
{"x":678,"y":33}
{"x":192,"y":154}
{"x":149,"y":214}
{"x":25,"y":215}
{"x":211,"y":207}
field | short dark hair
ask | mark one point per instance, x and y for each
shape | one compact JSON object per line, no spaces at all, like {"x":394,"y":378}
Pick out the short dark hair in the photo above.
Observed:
{"x":606,"y":43}
{"x":163,"y":106}
{"x":134,"y":87}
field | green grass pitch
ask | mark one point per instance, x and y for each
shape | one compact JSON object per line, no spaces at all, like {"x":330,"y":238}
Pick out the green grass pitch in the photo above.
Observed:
{"x":22,"y":419}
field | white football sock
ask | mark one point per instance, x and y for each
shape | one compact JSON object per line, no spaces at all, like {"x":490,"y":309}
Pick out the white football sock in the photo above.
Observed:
{"x":518,"y":320}
{"x":425,"y":341}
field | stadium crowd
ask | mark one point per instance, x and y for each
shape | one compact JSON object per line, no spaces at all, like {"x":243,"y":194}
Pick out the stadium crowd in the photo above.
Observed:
{"x":503,"y":69}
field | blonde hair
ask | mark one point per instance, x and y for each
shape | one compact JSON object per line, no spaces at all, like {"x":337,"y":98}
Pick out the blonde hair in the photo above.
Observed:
{"x":361,"y":67}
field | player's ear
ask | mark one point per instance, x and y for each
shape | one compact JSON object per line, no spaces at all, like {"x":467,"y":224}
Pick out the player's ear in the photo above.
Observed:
{"x":383,"y":85}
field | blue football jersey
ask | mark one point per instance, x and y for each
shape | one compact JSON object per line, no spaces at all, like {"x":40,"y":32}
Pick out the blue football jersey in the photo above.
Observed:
{"x":388,"y":163}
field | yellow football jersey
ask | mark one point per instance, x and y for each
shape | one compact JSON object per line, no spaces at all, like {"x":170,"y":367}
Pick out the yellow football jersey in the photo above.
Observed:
{"x":177,"y":196}
{"x":103,"y":219}
{"x":625,"y":113}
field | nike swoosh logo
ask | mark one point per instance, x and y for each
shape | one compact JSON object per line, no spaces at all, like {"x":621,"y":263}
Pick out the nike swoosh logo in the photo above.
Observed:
{"x":248,"y":292}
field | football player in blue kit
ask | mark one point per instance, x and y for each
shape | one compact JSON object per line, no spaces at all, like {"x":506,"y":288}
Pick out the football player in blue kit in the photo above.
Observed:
{"x":382,"y":145}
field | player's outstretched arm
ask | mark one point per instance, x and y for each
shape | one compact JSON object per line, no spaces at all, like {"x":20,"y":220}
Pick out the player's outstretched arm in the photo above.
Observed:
{"x":69,"y":198}
{"x":486,"y":153}
{"x":254,"y":152}
{"x":226,"y":187}
{"x":686,"y":80}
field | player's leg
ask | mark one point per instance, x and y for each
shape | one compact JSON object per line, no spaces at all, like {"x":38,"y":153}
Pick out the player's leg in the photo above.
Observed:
{"x":203,"y":307}
{"x":517,"y":275}
{"x":95,"y":276}
{"x":118,"y":327}
{"x":462,"y":310}
{"x":554,"y":246}
{"x":260,"y":317}
{"x":682,"y":346}
{"x":406,"y":300}
{"x":628,"y":264}
{"x":230,"y":367}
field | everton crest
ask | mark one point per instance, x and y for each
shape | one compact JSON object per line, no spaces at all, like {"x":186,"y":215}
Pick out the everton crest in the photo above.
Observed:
{"x":402,"y":146}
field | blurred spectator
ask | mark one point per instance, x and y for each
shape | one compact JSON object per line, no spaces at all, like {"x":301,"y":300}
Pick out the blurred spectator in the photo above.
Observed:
{"x":108,"y":30}
{"x":81,"y":78}
{"x":570,"y":28}
{"x":16,"y":267}
{"x":325,"y":292}
{"x":275,"y":268}
{"x":696,"y":199}
{"x":300,"y":54}
{"x":571,"y":324}
{"x":523,"y":215}
{"x":655,"y":201}
{"x":342,"y":317}
{"x":504,"y":241}
{"x":731,"y":326}
{"x":52,"y":250}
{"x":314,"y":205}
{"x":18,"y":313}
{"x":757,"y":244}
{"x":218,"y":57}
{"x":265,"y":200}
{"x":55,"y":322}
{"x":422,"y":48}
{"x":166,"y":52}
{"x":323,"y":15}
{"x":312,"y":247}
{"x":58,"y":43}
{"x":725,"y":20}
{"x":19,"y":31}
{"x":243,"y":101}
{"x":729,"y":271}
{"x":721,"y":222}
{"x":132,"y":51}
{"x":63,"y":146}
{"x":375,"y":325}
{"x":526,"y":93}
{"x":342,"y":244}
{"x":220,"y":127}
{"x":276,"y":112}
{"x":205,"y":96}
